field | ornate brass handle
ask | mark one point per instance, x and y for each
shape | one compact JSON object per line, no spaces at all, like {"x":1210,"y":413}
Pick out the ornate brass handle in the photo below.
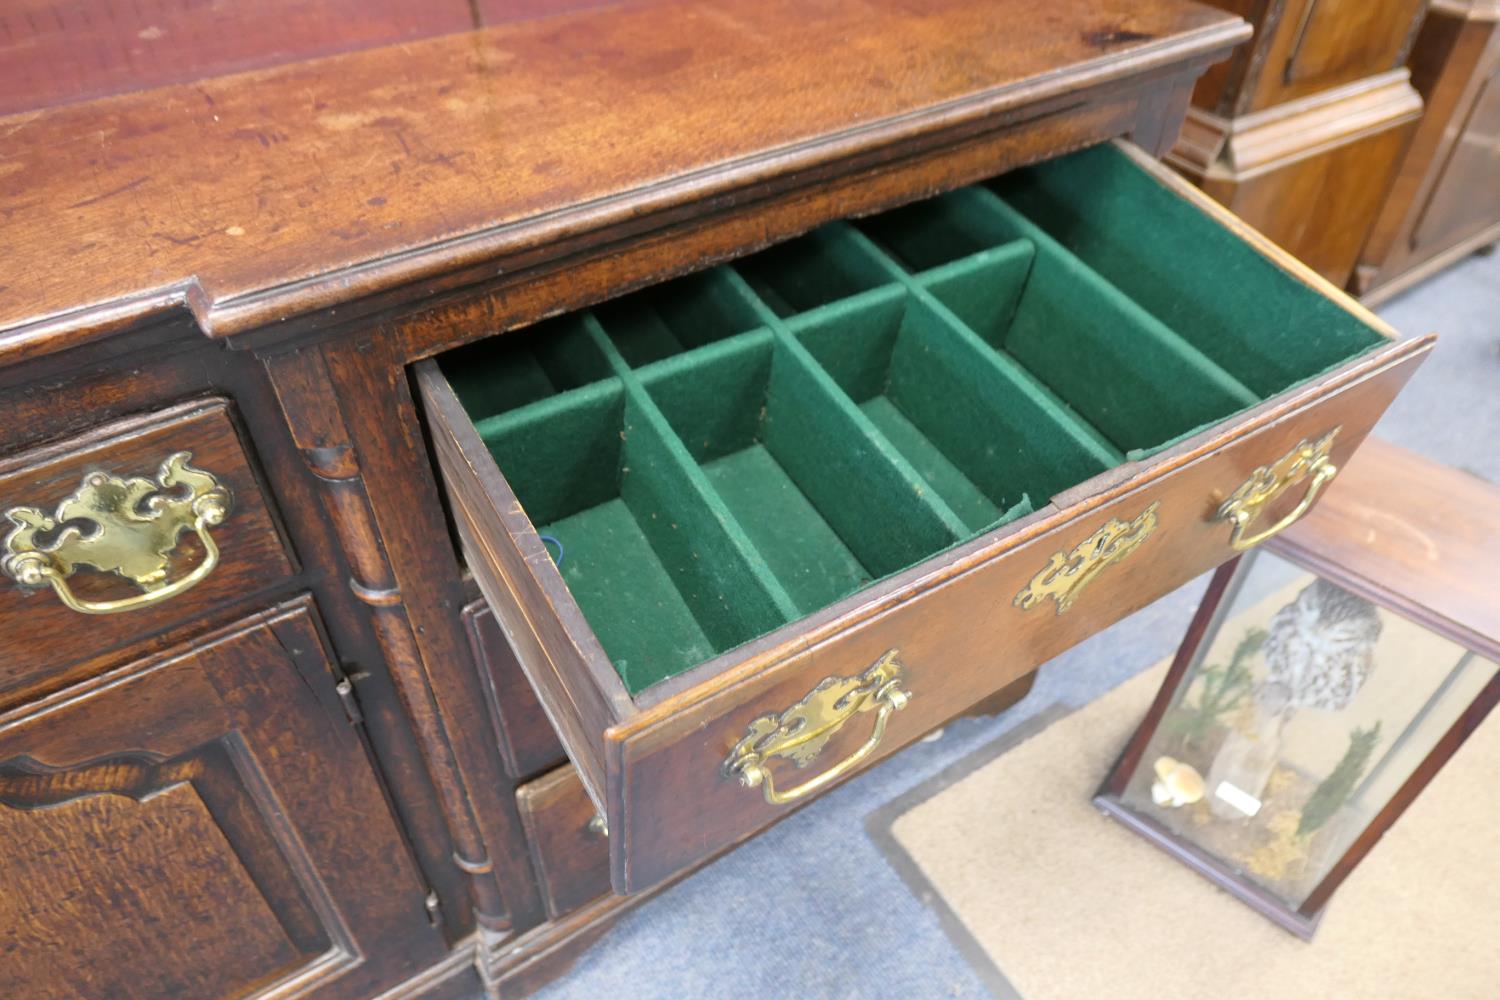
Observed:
{"x":1307,"y":461}
{"x":129,"y":527}
{"x":800,"y":733}
{"x":1070,"y":570}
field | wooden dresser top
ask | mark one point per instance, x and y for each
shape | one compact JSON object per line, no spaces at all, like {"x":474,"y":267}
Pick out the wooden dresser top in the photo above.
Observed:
{"x":257,"y":196}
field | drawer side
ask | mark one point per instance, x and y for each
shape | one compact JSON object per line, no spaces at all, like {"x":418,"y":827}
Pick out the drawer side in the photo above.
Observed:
{"x":577,"y":687}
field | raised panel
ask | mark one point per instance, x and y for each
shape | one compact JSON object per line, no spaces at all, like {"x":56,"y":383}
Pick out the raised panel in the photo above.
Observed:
{"x":87,"y":887}
{"x":203,"y":823}
{"x":1317,"y":45}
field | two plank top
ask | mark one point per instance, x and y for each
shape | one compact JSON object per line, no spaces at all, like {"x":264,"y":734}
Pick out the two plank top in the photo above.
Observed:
{"x":263,"y":194}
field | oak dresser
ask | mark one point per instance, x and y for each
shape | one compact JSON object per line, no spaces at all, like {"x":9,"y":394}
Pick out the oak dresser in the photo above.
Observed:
{"x":456,"y":487}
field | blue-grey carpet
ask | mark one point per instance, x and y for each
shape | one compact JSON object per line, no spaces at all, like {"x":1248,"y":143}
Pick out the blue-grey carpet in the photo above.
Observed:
{"x":811,"y":908}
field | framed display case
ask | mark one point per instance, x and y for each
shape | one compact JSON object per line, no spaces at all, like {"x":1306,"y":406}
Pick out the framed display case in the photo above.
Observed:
{"x":1324,"y":681}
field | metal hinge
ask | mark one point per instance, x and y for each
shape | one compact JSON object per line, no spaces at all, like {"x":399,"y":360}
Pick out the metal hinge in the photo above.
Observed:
{"x":344,"y":685}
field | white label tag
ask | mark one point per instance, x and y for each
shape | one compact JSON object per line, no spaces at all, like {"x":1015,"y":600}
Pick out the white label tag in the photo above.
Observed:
{"x":1238,"y":798}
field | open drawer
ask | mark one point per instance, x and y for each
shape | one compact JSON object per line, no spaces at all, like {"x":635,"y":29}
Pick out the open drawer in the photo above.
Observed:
{"x":750,"y":530}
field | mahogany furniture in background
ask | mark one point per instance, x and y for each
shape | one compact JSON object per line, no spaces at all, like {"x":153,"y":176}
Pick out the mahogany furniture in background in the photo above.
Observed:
{"x":1445,"y":201}
{"x":1407,"y":545}
{"x":1300,"y":133}
{"x":301,"y":756}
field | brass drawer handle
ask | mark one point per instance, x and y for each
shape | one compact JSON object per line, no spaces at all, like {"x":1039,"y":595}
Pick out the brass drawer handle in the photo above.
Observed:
{"x":1308,"y":460}
{"x":800,"y":733}
{"x":135,"y":524}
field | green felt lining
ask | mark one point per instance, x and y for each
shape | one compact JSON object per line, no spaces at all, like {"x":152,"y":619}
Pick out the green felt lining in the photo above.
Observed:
{"x":1032,"y":433}
{"x":808,"y":272}
{"x":943,"y":404}
{"x":769,"y":392}
{"x":727,"y":452}
{"x":634,"y":490}
{"x":668,"y":319}
{"x":1137,"y":390}
{"x":524,"y":366}
{"x":1220,"y":294}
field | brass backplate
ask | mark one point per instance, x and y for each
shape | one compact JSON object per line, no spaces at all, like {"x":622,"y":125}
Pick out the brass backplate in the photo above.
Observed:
{"x":1068,"y":572}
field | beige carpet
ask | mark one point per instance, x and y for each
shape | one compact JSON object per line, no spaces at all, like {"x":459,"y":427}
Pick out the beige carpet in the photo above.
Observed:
{"x":1067,"y":905}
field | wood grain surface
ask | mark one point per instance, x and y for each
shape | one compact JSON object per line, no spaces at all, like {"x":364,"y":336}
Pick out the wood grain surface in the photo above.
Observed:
{"x":58,"y":52}
{"x":1445,"y":199}
{"x":527,"y":740}
{"x":280,"y":183}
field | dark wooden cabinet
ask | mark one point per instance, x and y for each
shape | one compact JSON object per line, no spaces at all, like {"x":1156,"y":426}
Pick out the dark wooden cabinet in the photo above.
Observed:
{"x":219,"y":791}
{"x":203,"y":822}
{"x":526,"y":738}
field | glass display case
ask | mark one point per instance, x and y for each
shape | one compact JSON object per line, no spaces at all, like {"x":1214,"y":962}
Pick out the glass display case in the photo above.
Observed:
{"x":1307,"y":707}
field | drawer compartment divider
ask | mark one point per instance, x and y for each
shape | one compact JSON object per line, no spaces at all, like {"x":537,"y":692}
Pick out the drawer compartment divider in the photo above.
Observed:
{"x":1225,"y":298}
{"x":639,"y":536}
{"x":1136,"y":380}
{"x":526,"y":366}
{"x":799,"y":466}
{"x":1045,"y":444}
{"x":1097,"y":349}
{"x":821,"y":412}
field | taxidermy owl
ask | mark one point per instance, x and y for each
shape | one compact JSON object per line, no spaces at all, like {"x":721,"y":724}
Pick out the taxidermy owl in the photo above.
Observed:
{"x":1321,"y":646}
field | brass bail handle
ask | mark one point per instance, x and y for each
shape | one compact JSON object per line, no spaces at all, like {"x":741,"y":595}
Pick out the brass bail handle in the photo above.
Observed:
{"x":800,"y":733}
{"x":1309,"y":461}
{"x":132,"y":527}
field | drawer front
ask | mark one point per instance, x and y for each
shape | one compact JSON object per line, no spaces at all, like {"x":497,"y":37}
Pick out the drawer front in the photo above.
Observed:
{"x":686,"y":766}
{"x":168,"y":499}
{"x":567,"y":840}
{"x":955,"y":643}
{"x":528,"y":743}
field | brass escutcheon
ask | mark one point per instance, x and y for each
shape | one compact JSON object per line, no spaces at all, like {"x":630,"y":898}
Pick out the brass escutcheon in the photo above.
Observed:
{"x":801,"y":732}
{"x":135,"y":523}
{"x":1308,"y":460}
{"x":1068,"y":572}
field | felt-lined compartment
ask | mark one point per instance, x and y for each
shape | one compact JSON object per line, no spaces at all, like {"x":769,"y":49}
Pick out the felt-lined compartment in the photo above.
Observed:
{"x":640,"y":541}
{"x":1136,"y":381}
{"x":501,"y":373}
{"x":810,"y":271}
{"x":727,"y":452}
{"x":680,"y":315}
{"x":941,"y":400}
{"x":1213,"y":289}
{"x":827,"y":503}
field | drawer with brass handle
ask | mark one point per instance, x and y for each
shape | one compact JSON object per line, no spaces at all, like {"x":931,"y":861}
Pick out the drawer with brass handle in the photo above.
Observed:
{"x":125,"y":531}
{"x":751,"y":530}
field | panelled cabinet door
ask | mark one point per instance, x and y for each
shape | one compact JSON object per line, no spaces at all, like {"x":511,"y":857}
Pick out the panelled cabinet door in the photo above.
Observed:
{"x":202,"y":824}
